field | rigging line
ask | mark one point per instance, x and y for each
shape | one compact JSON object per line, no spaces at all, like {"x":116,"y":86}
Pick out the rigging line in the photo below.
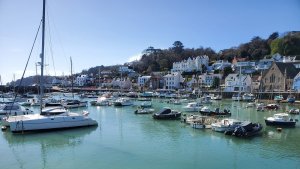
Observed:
{"x":50,"y":44}
{"x":27,"y":63}
{"x":58,"y":36}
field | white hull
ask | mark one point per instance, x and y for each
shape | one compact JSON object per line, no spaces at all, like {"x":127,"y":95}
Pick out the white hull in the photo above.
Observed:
{"x":39,"y":122}
{"x":191,"y":109}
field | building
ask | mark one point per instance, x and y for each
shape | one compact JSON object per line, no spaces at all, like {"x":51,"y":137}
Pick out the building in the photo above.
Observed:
{"x":238,"y":82}
{"x":244,"y":67}
{"x":157,"y":80}
{"x":206,"y":80}
{"x":280,"y":76}
{"x":264,"y":64}
{"x":220,"y":65}
{"x":191,"y":64}
{"x":121,"y":83}
{"x":173,"y":80}
{"x":83,"y":80}
{"x":125,"y":69}
{"x":256,"y":81}
{"x":142,"y":80}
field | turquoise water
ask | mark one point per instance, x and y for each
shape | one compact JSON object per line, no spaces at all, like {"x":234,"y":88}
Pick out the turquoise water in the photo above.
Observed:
{"x":124,"y":140}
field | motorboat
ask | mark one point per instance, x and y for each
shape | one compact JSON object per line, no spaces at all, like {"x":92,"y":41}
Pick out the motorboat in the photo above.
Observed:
{"x":260,"y":106}
{"x":247,"y":129}
{"x":280,"y":119}
{"x":167,"y":113}
{"x":294,"y":111}
{"x":144,"y":111}
{"x":193,"y":107}
{"x":272,"y":106}
{"x":13,"y":109}
{"x":190,"y":118}
{"x":146,"y":94}
{"x":206,"y":111}
{"x":248,"y":97}
{"x":291,"y":99}
{"x":123,"y":102}
{"x":144,"y":99}
{"x":251,"y":104}
{"x":278,"y":98}
{"x":132,"y":94}
{"x":202,"y":122}
{"x":146,"y":104}
{"x":216,"y":97}
{"x":236,"y":97}
{"x":70,"y":104}
{"x":49,"y":119}
{"x":225,"y":124}
{"x":101,"y":101}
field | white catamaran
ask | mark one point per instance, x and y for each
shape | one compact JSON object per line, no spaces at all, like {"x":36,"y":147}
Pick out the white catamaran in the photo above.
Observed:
{"x":50,"y":118}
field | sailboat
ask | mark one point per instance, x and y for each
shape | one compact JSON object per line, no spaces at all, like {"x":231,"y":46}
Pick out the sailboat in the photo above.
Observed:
{"x":73,"y":103}
{"x":49,"y":118}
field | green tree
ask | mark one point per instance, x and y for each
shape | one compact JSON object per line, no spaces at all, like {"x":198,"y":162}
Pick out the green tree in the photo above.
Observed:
{"x":277,"y":46}
{"x":177,"y":47}
{"x":227,"y":71}
{"x":216,"y":83}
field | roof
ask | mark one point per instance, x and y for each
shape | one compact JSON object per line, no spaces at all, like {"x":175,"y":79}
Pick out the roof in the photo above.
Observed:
{"x":288,"y":69}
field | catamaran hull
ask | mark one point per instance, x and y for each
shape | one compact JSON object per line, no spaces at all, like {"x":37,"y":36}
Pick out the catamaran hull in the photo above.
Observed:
{"x":50,"y":124}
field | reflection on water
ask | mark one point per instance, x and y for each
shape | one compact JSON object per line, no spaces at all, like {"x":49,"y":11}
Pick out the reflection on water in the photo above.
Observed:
{"x":45,"y":141}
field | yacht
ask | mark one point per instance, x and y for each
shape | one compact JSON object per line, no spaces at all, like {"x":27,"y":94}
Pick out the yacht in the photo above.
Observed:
{"x":13,"y":109}
{"x":193,"y":107}
{"x":280,"y":119}
{"x":49,"y":119}
{"x":123,"y":102}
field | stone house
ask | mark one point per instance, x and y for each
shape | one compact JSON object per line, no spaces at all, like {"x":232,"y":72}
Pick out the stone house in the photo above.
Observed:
{"x":280,"y":76}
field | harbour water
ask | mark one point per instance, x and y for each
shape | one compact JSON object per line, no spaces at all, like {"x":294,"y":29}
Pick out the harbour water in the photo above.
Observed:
{"x":124,"y":140}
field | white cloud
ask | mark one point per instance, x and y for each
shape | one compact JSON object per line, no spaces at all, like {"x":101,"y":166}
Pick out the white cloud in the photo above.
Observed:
{"x":135,"y":57}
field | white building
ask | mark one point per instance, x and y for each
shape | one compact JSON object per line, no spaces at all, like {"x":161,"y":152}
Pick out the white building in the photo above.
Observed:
{"x":235,"y":81}
{"x":81,"y":80}
{"x":207,"y":79}
{"x":142,"y":80}
{"x":121,"y":83}
{"x":125,"y":69}
{"x":245,"y":67}
{"x":220,"y":65}
{"x":190,"y":65}
{"x":173,"y":80}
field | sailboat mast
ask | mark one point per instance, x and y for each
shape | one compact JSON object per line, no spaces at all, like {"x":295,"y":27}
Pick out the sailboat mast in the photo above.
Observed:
{"x":72,"y":76}
{"x":42,"y":55}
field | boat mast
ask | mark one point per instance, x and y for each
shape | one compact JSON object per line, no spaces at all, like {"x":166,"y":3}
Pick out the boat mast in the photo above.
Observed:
{"x":42,"y":56}
{"x":72,"y":77}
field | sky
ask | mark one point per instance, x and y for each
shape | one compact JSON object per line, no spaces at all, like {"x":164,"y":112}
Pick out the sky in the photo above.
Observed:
{"x":109,"y":32}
